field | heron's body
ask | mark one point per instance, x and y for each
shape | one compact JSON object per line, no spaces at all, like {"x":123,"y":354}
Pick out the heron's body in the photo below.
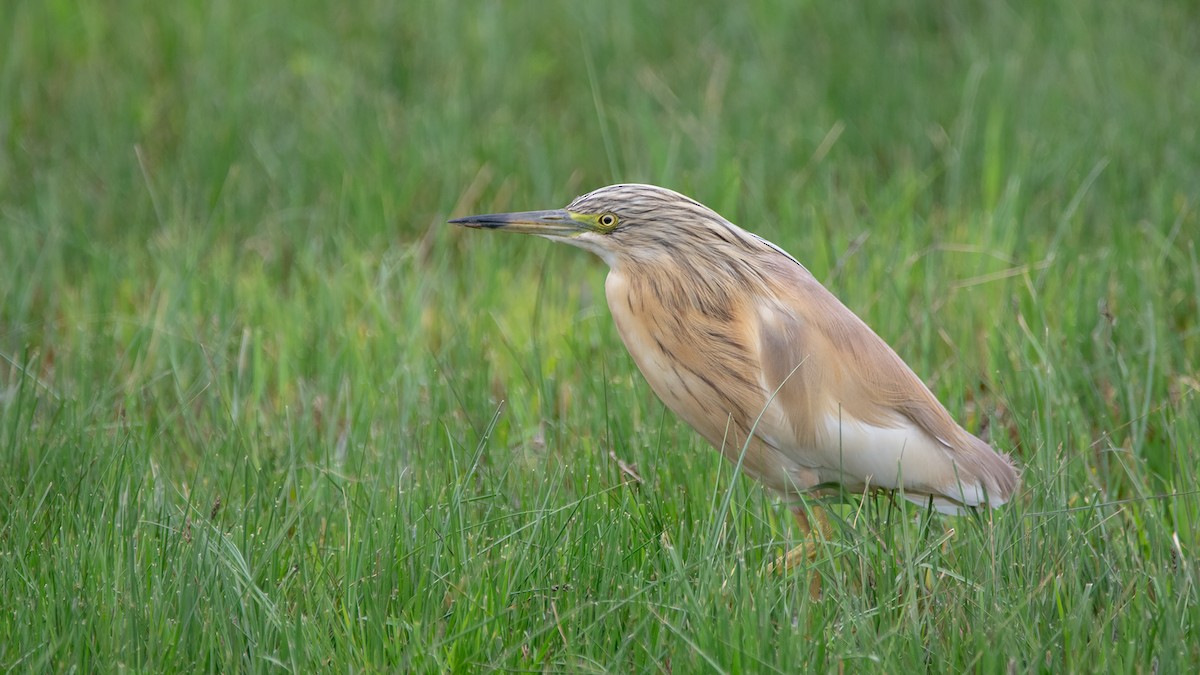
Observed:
{"x":745,"y":345}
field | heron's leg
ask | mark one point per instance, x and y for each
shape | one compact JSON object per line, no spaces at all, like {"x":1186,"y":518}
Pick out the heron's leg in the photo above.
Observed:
{"x":807,"y":549}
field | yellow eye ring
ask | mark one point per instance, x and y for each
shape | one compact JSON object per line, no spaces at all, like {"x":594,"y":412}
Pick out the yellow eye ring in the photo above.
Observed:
{"x":607,"y":220}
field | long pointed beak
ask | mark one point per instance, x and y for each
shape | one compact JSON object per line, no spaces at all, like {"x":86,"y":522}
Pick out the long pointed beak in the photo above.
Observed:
{"x":556,"y":223}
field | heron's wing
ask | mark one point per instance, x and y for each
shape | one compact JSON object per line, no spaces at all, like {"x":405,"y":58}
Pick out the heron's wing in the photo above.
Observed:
{"x":843,"y":399}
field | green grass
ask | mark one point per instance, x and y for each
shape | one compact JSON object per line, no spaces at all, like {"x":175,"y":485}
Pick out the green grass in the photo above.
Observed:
{"x":261,"y":409}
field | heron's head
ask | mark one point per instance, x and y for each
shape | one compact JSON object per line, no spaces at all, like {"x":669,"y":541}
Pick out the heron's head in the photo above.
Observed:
{"x":615,"y":222}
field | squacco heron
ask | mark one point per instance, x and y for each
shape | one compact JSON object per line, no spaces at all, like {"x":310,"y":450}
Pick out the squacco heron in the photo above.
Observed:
{"x":742,"y":342}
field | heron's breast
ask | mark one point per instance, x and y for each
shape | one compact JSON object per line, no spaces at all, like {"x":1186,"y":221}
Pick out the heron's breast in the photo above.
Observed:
{"x":696,"y":365}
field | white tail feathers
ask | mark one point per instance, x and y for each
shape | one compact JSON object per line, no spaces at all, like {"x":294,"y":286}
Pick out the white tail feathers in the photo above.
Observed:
{"x":965,"y":472}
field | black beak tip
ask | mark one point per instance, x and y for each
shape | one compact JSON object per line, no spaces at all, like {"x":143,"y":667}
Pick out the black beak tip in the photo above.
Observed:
{"x":473,"y":221}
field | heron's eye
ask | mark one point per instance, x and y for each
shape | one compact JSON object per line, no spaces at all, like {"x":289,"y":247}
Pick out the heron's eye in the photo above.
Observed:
{"x":607,"y":221}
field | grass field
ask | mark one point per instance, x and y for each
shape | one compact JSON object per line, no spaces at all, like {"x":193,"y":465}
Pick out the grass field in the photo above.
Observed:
{"x":261,"y":409}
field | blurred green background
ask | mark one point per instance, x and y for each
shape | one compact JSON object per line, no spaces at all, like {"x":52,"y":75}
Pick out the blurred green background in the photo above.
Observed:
{"x":262,"y":409}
